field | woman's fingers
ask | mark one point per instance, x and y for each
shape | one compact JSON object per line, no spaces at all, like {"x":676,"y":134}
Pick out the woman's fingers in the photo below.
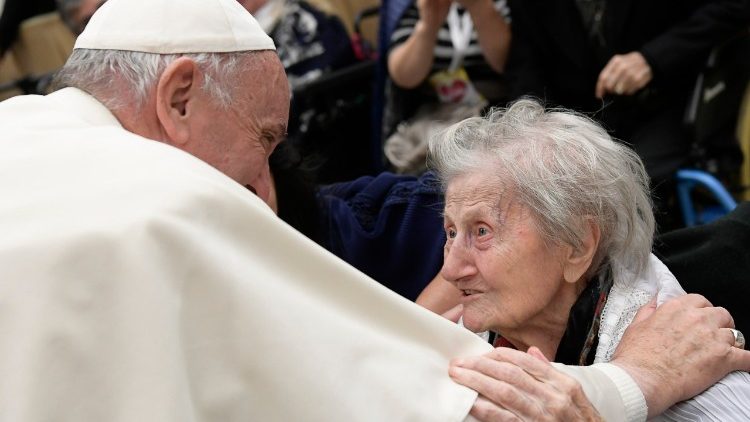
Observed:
{"x":526,"y":385}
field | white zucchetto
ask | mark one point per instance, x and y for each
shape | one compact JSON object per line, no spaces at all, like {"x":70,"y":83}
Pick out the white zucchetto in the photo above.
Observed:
{"x":174,"y":27}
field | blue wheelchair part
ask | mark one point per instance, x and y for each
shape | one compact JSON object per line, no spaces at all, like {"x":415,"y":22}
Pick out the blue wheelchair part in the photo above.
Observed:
{"x":687,"y":180}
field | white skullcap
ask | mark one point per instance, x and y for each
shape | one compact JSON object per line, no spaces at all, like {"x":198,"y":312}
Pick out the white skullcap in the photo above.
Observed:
{"x":174,"y":27}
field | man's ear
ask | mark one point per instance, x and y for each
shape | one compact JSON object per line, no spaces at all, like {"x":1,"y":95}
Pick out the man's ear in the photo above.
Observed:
{"x":578,"y":261}
{"x":176,"y":93}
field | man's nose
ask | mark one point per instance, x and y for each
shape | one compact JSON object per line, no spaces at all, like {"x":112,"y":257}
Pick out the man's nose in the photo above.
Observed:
{"x":262,"y":184}
{"x":457,"y":263}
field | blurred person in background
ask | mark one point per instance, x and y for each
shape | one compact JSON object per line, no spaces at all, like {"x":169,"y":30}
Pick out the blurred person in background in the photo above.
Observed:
{"x":16,"y":11}
{"x":77,"y":13}
{"x":445,"y":61}
{"x":632,"y":64}
{"x":309,"y":42}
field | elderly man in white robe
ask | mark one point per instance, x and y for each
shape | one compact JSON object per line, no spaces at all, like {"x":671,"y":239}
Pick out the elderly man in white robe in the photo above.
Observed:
{"x":141,"y":280}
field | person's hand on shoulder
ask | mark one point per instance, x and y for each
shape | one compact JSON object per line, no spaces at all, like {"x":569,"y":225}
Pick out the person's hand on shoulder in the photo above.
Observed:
{"x":514,"y":385}
{"x":679,"y":349}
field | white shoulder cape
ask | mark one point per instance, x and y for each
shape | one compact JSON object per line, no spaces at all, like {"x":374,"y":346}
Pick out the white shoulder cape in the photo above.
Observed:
{"x":137,"y":283}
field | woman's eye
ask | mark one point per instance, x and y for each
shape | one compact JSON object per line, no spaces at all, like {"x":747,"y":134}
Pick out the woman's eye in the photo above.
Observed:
{"x":482,"y":231}
{"x":451,"y":233}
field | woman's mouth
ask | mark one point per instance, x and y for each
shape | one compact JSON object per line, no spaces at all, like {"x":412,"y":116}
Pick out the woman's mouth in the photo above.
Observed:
{"x":469,"y":292}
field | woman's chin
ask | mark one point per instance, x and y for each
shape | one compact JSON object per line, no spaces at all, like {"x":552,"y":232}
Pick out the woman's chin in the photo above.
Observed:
{"x":472,"y":323}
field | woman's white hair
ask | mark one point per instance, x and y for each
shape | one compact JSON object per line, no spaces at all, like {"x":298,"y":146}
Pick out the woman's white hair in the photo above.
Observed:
{"x":104,"y":73}
{"x":567,"y":171}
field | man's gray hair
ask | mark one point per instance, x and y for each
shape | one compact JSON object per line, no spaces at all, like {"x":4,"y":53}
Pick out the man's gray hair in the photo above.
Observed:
{"x":94,"y":71}
{"x":566,"y":170}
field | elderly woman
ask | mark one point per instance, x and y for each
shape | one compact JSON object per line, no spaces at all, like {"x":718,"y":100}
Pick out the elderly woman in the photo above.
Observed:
{"x":549,"y":228}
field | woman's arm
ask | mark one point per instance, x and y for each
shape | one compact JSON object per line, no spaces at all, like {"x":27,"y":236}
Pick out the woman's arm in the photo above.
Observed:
{"x":492,"y":30}
{"x":410,"y":63}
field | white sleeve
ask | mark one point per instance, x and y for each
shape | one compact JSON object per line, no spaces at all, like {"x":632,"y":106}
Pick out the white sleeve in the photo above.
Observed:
{"x":727,"y":400}
{"x":611,"y":390}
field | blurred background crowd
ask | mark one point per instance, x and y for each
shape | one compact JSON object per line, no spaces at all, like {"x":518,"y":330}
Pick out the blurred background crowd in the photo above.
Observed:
{"x":372,"y":81}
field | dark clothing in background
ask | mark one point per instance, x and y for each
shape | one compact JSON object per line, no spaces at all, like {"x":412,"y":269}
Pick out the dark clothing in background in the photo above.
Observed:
{"x":390,"y":227}
{"x":555,"y":57}
{"x":714,"y":260}
{"x":16,"y":11}
{"x":329,"y":103}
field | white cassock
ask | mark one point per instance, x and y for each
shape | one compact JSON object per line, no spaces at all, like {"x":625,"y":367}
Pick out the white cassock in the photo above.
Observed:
{"x":138,"y":283}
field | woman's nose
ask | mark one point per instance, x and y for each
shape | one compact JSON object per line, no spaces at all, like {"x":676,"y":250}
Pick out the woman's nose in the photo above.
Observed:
{"x":457,"y":263}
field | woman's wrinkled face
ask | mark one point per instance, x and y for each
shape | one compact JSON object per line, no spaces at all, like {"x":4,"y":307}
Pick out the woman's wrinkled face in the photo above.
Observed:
{"x":495,"y":255}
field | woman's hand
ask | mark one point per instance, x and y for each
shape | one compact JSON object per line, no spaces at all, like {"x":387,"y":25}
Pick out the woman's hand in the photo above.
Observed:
{"x":492,"y":30}
{"x":516,"y":386}
{"x":410,"y":63}
{"x":432,"y":13}
{"x":440,"y":296}
{"x":454,"y":314}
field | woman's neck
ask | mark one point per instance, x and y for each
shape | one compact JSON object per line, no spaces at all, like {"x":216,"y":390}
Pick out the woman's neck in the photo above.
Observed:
{"x":546,"y":329}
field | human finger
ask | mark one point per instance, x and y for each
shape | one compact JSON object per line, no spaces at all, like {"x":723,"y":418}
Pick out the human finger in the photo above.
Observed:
{"x":551,"y":395}
{"x":601,"y":82}
{"x":646,"y":311}
{"x":507,"y":372}
{"x":607,"y":77}
{"x":535,"y":367}
{"x":486,"y":411}
{"x":535,"y":352}
{"x":554,"y":389}
{"x":699,"y":309}
{"x":509,"y":396}
{"x":617,"y":80}
{"x":739,"y":359}
{"x":735,"y":338}
{"x":638,"y":72}
{"x":692,"y":300}
{"x":719,"y":317}
{"x":620,"y":88}
{"x":454,"y":314}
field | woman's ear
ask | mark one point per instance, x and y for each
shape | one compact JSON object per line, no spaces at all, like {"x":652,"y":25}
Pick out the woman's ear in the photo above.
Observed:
{"x":176,"y":92}
{"x":578,"y":261}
